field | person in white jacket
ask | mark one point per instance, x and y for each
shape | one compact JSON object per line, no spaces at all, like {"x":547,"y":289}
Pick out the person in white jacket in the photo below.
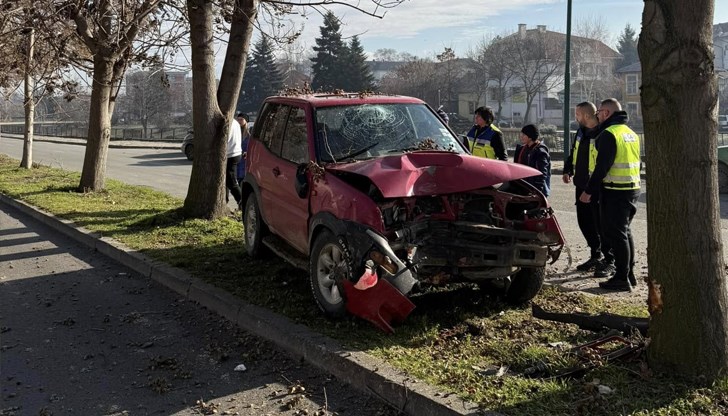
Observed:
{"x":234,"y":155}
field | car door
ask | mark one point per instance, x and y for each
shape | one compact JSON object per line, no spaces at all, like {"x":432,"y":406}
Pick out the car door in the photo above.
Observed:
{"x":292,"y":211}
{"x":266,"y":159}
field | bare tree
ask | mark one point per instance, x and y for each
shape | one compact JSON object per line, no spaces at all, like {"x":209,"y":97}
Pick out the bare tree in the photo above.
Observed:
{"x":500,"y":72}
{"x":537,"y":59}
{"x":115,"y":33}
{"x":30,"y":60}
{"x":593,"y":61}
{"x":688,"y":291}
{"x":147,"y":96}
{"x":214,"y":104}
{"x":417,"y":78}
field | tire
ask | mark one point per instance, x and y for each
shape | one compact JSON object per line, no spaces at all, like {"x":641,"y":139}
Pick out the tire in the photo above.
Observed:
{"x":329,"y":256}
{"x":254,"y":228}
{"x":189,"y":151}
{"x":525,"y":285}
{"x":723,"y":178}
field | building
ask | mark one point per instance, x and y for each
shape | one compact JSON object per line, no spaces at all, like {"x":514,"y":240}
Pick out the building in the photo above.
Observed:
{"x":540,"y":75}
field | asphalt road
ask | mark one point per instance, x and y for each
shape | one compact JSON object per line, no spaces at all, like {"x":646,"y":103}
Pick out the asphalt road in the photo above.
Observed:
{"x":82,"y":335}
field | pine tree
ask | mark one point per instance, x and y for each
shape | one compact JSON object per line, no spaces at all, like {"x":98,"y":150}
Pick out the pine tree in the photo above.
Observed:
{"x":262,"y":77}
{"x":360,"y":76}
{"x":329,"y":63}
{"x":627,"y":46}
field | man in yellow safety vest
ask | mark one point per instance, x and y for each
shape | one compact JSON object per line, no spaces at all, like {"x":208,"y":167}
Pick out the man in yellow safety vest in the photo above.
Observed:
{"x":616,"y":177}
{"x":577,"y":168}
{"x":484,"y":139}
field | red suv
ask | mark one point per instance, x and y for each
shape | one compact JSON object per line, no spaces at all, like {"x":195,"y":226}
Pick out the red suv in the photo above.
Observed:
{"x":374,"y":195}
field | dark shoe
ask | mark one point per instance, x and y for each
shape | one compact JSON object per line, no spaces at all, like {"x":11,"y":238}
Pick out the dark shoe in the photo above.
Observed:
{"x":589,"y":264}
{"x":604,"y":270}
{"x":632,"y":280}
{"x":617,"y":285}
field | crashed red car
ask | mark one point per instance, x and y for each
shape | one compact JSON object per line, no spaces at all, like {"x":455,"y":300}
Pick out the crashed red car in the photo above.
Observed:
{"x":375,"y":196}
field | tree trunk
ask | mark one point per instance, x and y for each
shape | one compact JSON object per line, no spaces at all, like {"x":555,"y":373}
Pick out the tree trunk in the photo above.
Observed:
{"x":99,"y":127}
{"x":29,"y":106}
{"x":688,"y":295}
{"x":213,"y":110}
{"x":529,"y":101}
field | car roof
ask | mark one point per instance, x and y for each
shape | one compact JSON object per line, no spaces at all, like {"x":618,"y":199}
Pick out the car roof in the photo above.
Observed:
{"x":343,"y":98}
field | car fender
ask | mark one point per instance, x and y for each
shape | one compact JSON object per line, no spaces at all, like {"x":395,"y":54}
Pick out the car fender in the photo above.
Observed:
{"x":250,"y":188}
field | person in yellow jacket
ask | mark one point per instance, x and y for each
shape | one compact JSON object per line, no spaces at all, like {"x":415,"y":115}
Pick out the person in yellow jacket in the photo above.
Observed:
{"x":577,"y":169}
{"x":484,"y":139}
{"x":616,"y":177}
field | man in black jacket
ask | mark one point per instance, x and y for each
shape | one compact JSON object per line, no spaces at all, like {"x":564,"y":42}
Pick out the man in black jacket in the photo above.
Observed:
{"x":616,"y":178}
{"x":578,"y":167}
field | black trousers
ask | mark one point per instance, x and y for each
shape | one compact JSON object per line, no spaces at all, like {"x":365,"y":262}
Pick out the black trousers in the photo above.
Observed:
{"x":617,"y":208}
{"x":231,"y":178}
{"x":587,"y":215}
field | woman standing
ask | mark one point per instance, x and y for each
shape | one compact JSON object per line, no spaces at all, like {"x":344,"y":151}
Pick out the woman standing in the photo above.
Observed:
{"x":532,"y":152}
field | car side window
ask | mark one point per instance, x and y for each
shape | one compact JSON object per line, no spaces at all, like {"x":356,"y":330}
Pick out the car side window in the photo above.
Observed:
{"x":295,"y":142}
{"x":274,"y":123}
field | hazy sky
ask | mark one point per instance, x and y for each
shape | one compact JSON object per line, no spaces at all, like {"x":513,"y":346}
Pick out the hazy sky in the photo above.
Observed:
{"x":425,"y":27}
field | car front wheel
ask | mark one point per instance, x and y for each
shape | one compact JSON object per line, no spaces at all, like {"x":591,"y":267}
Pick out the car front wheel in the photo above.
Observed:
{"x":188,"y":151}
{"x":253,"y":227}
{"x":328,"y":263}
{"x":525,"y":285}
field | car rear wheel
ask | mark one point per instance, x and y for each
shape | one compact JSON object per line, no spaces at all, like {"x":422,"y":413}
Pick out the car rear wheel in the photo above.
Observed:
{"x":328,"y":264}
{"x":188,"y":151}
{"x":525,"y":285}
{"x":253,"y":227}
{"x":723,"y":178}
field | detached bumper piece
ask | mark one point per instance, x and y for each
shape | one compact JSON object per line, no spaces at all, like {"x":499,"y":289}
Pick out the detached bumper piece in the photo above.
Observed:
{"x":381,"y":304}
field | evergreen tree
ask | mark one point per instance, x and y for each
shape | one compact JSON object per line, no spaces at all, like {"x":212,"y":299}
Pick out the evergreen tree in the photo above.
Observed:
{"x":360,"y":76}
{"x":262,"y":77}
{"x":329,"y":64}
{"x":627,"y":46}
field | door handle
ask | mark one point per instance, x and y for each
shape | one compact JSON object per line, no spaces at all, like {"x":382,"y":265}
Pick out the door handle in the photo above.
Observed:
{"x":276,"y":171}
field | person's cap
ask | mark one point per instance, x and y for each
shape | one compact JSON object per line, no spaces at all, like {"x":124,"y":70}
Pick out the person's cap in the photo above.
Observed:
{"x":531,"y":131}
{"x":243,"y":115}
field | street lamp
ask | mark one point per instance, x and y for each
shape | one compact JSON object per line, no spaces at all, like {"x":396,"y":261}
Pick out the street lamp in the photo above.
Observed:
{"x":567,"y":83}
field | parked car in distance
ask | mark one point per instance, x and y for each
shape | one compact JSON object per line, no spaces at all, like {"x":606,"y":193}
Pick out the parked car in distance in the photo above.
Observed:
{"x":723,"y":123}
{"x":187,"y":147}
{"x":723,"y":169}
{"x":375,"y":196}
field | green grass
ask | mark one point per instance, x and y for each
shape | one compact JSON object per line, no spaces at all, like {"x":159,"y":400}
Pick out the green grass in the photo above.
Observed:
{"x":451,"y":340}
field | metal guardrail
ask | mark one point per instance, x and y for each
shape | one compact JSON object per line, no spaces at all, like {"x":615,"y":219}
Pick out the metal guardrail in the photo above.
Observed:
{"x":80,"y":130}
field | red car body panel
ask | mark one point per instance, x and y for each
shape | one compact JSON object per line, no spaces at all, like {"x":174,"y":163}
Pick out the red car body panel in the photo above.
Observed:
{"x":331,"y":194}
{"x":434,"y":173}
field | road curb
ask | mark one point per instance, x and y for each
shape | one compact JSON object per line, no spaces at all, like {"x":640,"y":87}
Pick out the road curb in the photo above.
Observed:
{"x":362,"y":371}
{"x":128,"y":144}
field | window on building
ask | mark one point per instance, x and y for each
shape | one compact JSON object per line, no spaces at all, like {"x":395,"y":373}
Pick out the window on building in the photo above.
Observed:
{"x":632,"y":87}
{"x":633,"y":109}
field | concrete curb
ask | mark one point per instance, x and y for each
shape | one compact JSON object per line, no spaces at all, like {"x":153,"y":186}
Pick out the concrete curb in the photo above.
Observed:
{"x":364,"y":372}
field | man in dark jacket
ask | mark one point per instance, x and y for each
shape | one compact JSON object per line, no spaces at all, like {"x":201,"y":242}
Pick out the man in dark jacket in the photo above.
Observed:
{"x":578,"y":167}
{"x":532,"y":152}
{"x":616,"y":178}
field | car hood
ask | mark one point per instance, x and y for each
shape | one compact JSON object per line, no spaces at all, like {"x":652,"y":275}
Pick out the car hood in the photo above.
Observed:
{"x":433,"y":173}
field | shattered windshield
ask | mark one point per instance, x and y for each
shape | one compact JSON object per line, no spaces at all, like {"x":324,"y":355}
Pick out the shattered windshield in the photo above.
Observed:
{"x":364,"y":131}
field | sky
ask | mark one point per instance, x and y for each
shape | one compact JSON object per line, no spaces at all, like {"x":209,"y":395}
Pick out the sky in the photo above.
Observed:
{"x":425,"y":27}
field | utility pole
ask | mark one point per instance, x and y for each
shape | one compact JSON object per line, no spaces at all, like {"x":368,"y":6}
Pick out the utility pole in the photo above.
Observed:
{"x":567,"y":83}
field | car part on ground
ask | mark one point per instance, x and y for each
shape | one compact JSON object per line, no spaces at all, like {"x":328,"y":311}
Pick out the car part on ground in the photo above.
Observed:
{"x":375,"y":196}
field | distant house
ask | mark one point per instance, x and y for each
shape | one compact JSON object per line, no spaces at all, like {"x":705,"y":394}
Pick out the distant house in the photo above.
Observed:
{"x":592,"y":63}
{"x":631,"y":77}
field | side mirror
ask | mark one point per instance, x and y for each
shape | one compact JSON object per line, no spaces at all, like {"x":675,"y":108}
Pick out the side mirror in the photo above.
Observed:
{"x":302,"y":180}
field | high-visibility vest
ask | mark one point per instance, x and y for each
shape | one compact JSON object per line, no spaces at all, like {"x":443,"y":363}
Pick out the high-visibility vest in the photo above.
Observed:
{"x":625,"y":171}
{"x":592,"y":153}
{"x":480,"y":146}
